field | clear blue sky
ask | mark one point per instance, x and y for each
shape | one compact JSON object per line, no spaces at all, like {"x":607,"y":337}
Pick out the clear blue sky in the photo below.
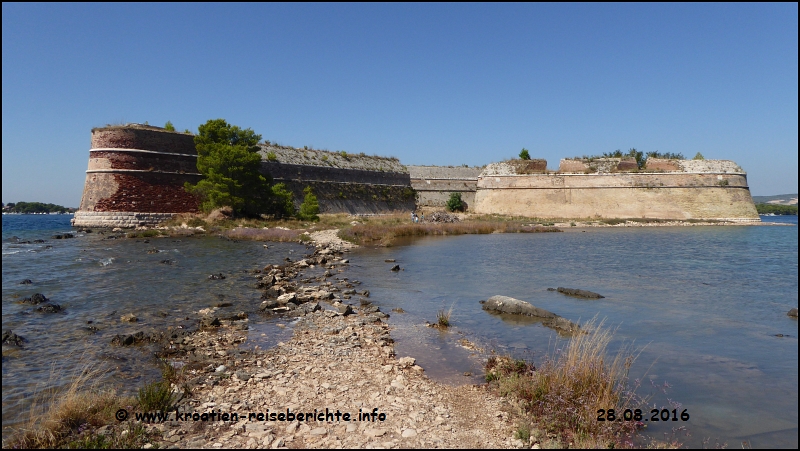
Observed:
{"x":440,"y":84}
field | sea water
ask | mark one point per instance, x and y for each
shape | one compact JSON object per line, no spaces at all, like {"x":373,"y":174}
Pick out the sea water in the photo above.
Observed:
{"x":705,"y":303}
{"x":97,"y":279}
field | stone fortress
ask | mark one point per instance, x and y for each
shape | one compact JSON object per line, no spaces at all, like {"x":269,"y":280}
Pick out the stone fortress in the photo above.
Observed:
{"x":136,"y":175}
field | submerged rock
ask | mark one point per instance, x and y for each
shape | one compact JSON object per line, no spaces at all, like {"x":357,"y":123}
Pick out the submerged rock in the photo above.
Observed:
{"x":505,"y":304}
{"x":579,"y":293}
{"x":49,"y":308}
{"x":209,"y":321}
{"x":128,"y":318}
{"x":36,"y":299}
{"x":12,"y":339}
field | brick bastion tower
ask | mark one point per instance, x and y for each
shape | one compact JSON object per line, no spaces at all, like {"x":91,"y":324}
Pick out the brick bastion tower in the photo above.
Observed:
{"x":136,"y":175}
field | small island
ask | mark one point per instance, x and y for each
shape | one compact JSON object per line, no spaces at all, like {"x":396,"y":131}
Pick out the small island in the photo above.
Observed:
{"x":35,"y":208}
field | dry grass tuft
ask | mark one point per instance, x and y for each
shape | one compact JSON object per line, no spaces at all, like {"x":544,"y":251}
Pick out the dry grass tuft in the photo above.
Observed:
{"x":385,"y":232}
{"x":240,"y":233}
{"x":566,"y":392}
{"x":443,"y":317}
{"x":56,"y":415}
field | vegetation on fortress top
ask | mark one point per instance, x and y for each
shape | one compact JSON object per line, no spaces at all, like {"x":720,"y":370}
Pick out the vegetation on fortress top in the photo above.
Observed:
{"x":229,"y":160}
{"x":639,"y":156}
{"x":35,"y":207}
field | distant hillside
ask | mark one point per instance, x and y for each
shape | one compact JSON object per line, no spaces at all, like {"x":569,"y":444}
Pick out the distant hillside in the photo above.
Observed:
{"x":780,"y":199}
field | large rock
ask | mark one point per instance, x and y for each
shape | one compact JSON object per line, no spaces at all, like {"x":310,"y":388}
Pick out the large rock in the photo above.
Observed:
{"x":287,"y":298}
{"x":505,"y":304}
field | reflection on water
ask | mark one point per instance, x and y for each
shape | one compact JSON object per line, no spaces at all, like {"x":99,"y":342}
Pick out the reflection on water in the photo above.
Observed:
{"x":705,"y":303}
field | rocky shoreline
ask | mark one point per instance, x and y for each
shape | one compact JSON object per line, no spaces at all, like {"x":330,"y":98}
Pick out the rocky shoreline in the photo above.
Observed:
{"x":340,"y":359}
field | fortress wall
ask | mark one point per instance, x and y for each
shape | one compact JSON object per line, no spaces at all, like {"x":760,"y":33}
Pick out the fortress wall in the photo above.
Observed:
{"x":280,"y":171}
{"x":353,"y":191}
{"x":135,"y":136}
{"x":354,"y":198}
{"x":136,"y":175}
{"x":434,"y":184}
{"x":102,"y":159}
{"x":618,"y":195}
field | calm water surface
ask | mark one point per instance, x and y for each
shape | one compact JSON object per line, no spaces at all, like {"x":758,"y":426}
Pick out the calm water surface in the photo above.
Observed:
{"x":706,"y":304}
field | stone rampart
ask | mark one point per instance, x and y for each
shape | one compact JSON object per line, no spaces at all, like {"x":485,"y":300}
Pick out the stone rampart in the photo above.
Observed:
{"x":327,"y":159}
{"x":136,"y":176}
{"x":280,"y":171}
{"x":597,"y":165}
{"x":434,"y":184}
{"x":353,"y":191}
{"x":710,"y":191}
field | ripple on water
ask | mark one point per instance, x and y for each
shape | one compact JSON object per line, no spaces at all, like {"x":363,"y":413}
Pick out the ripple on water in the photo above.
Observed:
{"x":96,"y":284}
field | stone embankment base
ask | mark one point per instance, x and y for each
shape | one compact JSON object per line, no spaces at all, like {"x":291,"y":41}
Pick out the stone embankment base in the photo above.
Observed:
{"x":124,"y":219}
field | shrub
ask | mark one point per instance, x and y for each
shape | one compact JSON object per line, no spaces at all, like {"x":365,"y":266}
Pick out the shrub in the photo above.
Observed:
{"x":271,"y":156}
{"x":196,"y":222}
{"x":699,"y":156}
{"x":309,"y":209}
{"x":156,"y":397}
{"x":169,"y":127}
{"x":523,"y":154}
{"x":455,"y":203}
{"x":666,"y":155}
{"x":443,"y":317}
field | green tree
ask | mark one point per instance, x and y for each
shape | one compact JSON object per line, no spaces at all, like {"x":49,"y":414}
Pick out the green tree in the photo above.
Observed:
{"x":309,"y":209}
{"x":228,"y":158}
{"x":699,"y":156}
{"x":169,"y":127}
{"x":282,"y":203}
{"x":455,"y":203}
{"x":524,"y":154}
